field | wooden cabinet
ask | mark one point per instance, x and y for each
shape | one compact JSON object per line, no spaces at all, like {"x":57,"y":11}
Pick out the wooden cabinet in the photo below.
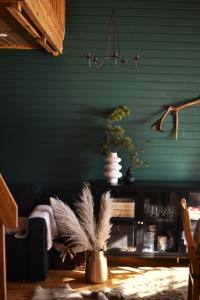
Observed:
{"x":146,"y":217}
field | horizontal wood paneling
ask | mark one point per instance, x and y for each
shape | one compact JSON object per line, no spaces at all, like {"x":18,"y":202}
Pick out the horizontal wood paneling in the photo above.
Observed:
{"x":52,"y":108}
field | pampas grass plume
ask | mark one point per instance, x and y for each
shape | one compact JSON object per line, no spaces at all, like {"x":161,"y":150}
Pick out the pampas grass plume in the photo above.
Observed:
{"x":83,"y":231}
{"x":104,"y":225}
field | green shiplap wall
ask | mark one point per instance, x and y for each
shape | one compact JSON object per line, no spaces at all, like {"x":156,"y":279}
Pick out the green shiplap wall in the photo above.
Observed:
{"x":52,"y":108}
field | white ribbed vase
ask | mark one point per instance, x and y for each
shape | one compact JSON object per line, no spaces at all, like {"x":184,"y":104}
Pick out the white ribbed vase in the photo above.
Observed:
{"x":112,"y":167}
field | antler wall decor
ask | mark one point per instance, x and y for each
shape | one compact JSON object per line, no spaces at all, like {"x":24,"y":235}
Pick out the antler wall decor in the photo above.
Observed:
{"x":173,"y":108}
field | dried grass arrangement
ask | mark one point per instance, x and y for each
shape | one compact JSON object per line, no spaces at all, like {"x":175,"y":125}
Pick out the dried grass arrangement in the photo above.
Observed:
{"x":80,"y":230}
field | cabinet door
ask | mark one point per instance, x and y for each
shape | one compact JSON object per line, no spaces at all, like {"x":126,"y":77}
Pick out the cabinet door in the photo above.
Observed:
{"x":160,"y":232}
{"x":123,"y":238}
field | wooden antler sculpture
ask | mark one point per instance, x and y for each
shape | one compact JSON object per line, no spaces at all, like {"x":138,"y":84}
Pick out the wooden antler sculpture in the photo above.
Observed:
{"x":174,"y":108}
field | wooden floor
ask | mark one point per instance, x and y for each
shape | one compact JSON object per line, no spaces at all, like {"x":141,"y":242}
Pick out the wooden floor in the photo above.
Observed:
{"x":117,"y":275}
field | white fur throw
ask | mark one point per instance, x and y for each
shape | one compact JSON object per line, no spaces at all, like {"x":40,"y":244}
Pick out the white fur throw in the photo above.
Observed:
{"x":64,"y":292}
{"x":156,"y":283}
{"x":21,"y":229}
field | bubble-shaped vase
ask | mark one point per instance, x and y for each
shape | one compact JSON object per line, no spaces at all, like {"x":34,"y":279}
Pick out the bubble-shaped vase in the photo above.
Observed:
{"x":112,"y":167}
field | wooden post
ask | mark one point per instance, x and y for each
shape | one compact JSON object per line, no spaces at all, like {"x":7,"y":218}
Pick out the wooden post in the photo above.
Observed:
{"x":8,"y":217}
{"x":3,"y":293}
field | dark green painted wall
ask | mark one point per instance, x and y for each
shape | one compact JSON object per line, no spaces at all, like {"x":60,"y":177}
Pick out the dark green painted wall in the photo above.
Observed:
{"x":52,"y":108}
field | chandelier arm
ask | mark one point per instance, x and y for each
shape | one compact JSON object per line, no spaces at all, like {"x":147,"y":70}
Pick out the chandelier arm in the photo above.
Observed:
{"x":113,"y":27}
{"x":102,"y":63}
{"x":113,"y":30}
{"x":109,"y":38}
{"x":116,"y":34}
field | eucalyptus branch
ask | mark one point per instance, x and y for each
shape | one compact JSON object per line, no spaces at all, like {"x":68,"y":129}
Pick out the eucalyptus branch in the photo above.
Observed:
{"x":115,"y":138}
{"x":108,"y":134}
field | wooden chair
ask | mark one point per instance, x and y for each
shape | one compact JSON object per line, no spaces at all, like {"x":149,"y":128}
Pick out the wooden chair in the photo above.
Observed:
{"x":194,"y":268}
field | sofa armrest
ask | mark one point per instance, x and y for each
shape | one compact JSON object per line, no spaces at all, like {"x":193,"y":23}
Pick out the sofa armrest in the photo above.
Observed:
{"x":38,"y":261}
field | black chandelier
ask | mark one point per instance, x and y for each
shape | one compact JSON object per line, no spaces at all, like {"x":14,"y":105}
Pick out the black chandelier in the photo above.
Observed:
{"x":112,"y":51}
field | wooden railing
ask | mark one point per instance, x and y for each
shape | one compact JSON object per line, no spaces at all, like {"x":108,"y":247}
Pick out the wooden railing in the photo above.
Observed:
{"x":43,"y":19}
{"x":8,"y":218}
{"x":59,"y":8}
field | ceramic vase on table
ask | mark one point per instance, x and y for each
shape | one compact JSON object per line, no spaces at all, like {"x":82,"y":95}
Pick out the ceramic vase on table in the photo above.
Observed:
{"x":112,"y":167}
{"x":96,"y":267}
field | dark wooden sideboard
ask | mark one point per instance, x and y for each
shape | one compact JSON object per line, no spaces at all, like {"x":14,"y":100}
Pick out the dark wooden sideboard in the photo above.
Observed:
{"x":146,"y":217}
